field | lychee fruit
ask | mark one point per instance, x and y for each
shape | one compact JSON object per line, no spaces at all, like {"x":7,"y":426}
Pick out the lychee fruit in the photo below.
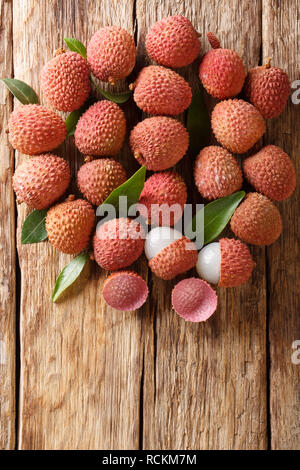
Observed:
{"x":217,"y":173}
{"x":111,"y":54}
{"x":268,"y":89}
{"x":271,"y":172}
{"x":194,"y":299}
{"x":237,"y":125}
{"x":101,"y":129}
{"x":158,"y":90}
{"x":65,"y":81}
{"x":125,"y":291}
{"x":159,"y":142}
{"x":96,"y":179}
{"x":173,"y":42}
{"x":163,"y":198}
{"x":169,"y":252}
{"x":257,"y":220}
{"x":221,"y":71}
{"x":227,"y":263}
{"x":118,"y":243}
{"x":41,"y":180}
{"x":69,"y":225}
{"x":35,"y":129}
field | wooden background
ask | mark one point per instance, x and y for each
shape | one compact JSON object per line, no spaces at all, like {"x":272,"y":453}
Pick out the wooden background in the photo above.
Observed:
{"x":79,"y":375}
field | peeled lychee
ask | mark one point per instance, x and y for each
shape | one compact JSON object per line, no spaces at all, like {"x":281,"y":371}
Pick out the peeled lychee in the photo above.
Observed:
{"x":41,"y":180}
{"x":158,"y":90}
{"x":65,"y":81}
{"x":118,"y":243}
{"x":125,"y":291}
{"x":237,"y":125}
{"x":217,"y":173}
{"x":101,"y":129}
{"x":268,"y":89}
{"x":227,"y":263}
{"x":159,"y":142}
{"x":194,"y":299}
{"x":98,"y":178}
{"x":35,"y":129}
{"x":271,"y":172}
{"x":221,"y":71}
{"x":169,"y":252}
{"x":69,"y":225}
{"x":163,"y":198}
{"x":111,"y":54}
{"x":173,"y":42}
{"x":257,"y":220}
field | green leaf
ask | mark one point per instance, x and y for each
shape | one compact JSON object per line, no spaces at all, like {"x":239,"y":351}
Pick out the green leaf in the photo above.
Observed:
{"x":71,"y":122}
{"x":118,"y":98}
{"x":198,"y":123}
{"x":132,"y":188}
{"x":23,"y":92}
{"x":34,"y":228}
{"x":76,"y":46}
{"x":71,"y":276}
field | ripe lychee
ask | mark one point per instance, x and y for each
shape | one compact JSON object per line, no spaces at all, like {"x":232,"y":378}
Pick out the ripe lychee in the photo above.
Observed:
{"x":125,"y":291}
{"x":163,"y":198}
{"x":194,"y":299}
{"x":227,"y":263}
{"x":271,"y":172}
{"x":41,"y":180}
{"x":118,"y":243}
{"x":101,"y":129}
{"x":96,"y":179}
{"x":65,"y":81}
{"x":268,"y":89}
{"x":159,"y":142}
{"x":111,"y":54}
{"x":158,"y":90}
{"x":221,"y":71}
{"x":237,"y":125}
{"x":169,"y":252}
{"x":217,"y":173}
{"x":35,"y":129}
{"x":173,"y":42}
{"x":257,"y":220}
{"x":69,"y":225}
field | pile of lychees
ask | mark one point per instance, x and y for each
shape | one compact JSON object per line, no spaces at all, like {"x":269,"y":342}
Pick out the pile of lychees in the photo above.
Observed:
{"x":158,"y":143}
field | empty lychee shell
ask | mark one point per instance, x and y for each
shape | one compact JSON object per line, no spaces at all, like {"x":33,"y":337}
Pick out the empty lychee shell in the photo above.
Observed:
{"x":125,"y":291}
{"x":194,"y":299}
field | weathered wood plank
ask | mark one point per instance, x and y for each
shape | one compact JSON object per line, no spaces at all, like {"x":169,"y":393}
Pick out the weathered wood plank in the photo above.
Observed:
{"x":281,"y":39}
{"x":205,"y":385}
{"x":7,"y":246}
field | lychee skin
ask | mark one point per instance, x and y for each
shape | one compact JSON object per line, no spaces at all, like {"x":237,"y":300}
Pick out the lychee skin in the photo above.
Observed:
{"x":236,"y":263}
{"x":98,"y":178}
{"x":69,"y":225}
{"x":118,"y":243}
{"x":173,"y":42}
{"x":194,"y":299}
{"x":35,"y":129}
{"x":40,"y":181}
{"x":237,"y":125}
{"x":125,"y":291}
{"x":161,"y":91}
{"x":257,"y":220}
{"x":268,"y":89}
{"x":101,"y":129}
{"x":217,"y":173}
{"x":111,"y":54}
{"x":166,"y":188}
{"x":271,"y":172}
{"x":65,"y":81}
{"x":159,"y":142}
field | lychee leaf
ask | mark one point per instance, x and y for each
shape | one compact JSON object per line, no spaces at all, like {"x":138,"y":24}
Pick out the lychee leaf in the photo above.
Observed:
{"x":198,"y":124}
{"x":118,"y":98}
{"x":71,"y":122}
{"x":71,"y":277}
{"x":23,"y":92}
{"x":76,"y":46}
{"x":34,"y":227}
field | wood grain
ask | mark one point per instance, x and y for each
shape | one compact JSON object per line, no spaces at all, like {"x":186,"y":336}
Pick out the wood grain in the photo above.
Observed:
{"x":7,"y":245}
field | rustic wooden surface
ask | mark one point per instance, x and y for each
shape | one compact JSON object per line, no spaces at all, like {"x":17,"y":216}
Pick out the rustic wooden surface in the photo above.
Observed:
{"x":94,"y":378}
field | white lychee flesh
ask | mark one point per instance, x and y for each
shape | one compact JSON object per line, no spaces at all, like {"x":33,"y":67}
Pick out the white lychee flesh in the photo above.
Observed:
{"x":159,"y":238}
{"x":209,"y":263}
